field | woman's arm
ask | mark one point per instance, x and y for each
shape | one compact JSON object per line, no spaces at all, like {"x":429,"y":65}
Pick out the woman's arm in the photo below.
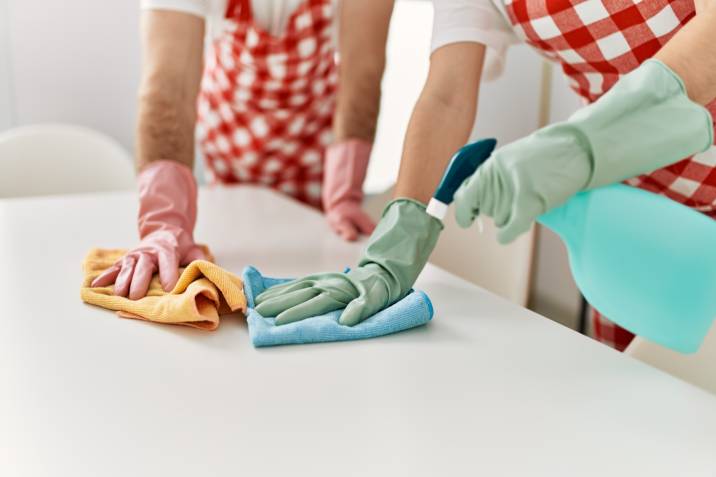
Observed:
{"x":172,"y":48}
{"x":442,"y":118}
{"x":363,"y":31}
{"x":406,"y":235}
{"x":691,"y":53}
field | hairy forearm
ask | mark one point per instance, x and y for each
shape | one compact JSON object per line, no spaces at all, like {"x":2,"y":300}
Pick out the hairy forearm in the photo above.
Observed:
{"x":171,"y":73}
{"x":165,"y":128}
{"x":358,"y":101}
{"x":442,"y":119}
{"x":363,"y":32}
{"x":691,"y":53}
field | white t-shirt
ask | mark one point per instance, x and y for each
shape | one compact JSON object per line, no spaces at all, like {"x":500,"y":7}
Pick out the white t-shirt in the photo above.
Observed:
{"x":272,"y":15}
{"x":478,"y":21}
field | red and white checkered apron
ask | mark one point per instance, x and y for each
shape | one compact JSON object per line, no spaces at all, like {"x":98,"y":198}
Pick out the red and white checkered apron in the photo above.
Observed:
{"x":266,"y":103}
{"x":596,"y":42}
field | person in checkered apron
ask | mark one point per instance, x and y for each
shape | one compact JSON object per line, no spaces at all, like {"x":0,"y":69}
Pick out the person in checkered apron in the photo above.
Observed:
{"x":273,"y":108}
{"x":646,"y":70}
{"x":597,"y":43}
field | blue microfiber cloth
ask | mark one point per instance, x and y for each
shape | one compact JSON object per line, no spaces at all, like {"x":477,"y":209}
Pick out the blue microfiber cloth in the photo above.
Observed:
{"x":413,"y":310}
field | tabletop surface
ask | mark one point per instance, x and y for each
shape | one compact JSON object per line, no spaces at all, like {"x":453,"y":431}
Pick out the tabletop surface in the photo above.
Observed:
{"x":487,"y":388}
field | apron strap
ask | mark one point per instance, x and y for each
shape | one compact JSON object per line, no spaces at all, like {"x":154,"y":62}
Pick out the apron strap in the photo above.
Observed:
{"x":238,"y":9}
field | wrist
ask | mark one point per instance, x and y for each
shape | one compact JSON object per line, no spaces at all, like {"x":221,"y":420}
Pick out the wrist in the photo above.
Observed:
{"x":163,"y":165}
{"x":401,"y":244}
{"x":167,"y":199}
{"x":345,"y":166}
{"x":655,"y":121}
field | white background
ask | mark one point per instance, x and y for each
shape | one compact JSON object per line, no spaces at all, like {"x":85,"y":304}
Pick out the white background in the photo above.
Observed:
{"x":73,"y":61}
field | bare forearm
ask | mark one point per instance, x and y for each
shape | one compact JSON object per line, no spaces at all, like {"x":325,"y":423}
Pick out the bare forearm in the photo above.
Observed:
{"x":358,"y":104}
{"x":442,"y":119}
{"x":172,"y":59}
{"x":363,"y":32}
{"x":435,"y":132}
{"x":165,"y":129}
{"x":691,"y":53}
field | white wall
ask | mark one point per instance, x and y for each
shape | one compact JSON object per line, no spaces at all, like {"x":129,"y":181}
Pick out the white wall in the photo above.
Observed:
{"x":406,"y":70}
{"x":6,"y":95}
{"x":73,"y":61}
{"x":78,"y":61}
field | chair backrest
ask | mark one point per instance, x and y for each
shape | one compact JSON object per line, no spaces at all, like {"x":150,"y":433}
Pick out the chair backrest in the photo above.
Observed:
{"x":698,"y":368}
{"x":51,"y":159}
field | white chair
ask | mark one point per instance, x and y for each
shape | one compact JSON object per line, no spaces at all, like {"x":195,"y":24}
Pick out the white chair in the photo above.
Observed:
{"x":51,"y":159}
{"x":698,"y":368}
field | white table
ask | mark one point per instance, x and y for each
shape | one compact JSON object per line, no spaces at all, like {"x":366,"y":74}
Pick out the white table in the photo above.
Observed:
{"x":486,"y":389}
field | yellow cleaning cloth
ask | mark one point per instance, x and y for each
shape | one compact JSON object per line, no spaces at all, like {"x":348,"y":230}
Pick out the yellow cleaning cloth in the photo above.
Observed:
{"x":204,"y":291}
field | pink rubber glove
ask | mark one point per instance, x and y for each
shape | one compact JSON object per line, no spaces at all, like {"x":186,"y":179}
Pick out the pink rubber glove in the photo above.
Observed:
{"x":344,"y":171}
{"x":167,"y":214}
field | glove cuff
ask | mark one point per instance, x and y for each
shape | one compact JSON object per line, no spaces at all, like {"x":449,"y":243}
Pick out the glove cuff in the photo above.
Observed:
{"x":345,"y":167}
{"x":167,"y":200}
{"x":412,"y":204}
{"x":645,"y":122}
{"x":401,"y":244}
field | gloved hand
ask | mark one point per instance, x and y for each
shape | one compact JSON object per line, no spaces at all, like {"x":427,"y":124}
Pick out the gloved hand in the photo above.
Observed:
{"x":345,"y":166}
{"x":646,"y":121}
{"x":395,"y":255}
{"x":167,"y":214}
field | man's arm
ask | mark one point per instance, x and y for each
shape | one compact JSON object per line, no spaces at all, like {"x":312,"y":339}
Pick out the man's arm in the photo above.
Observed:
{"x":363,"y":31}
{"x":442,"y":119}
{"x":691,"y":53}
{"x":172,"y":47}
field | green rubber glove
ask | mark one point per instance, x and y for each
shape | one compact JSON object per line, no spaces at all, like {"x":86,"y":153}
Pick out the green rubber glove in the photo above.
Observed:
{"x":396,"y":253}
{"x":645,"y":122}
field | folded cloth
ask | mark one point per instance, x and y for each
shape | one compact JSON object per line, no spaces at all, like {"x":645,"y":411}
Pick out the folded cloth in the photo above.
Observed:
{"x":413,"y":310}
{"x":204,"y":291}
